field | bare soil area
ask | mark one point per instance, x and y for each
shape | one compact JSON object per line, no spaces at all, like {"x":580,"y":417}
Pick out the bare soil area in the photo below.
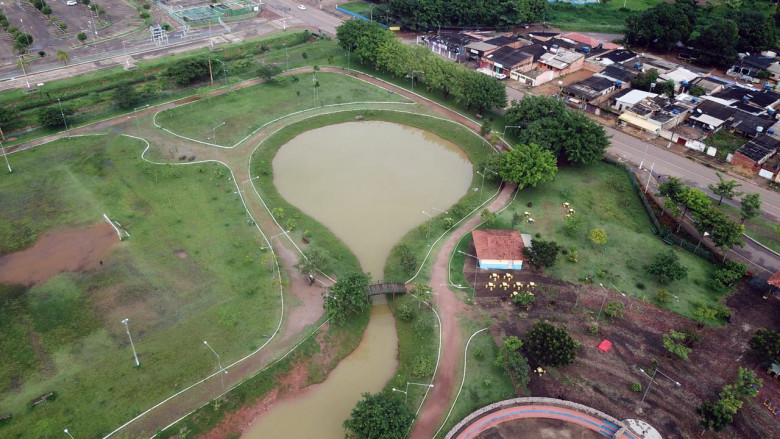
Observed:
{"x":602,"y":380}
{"x":538,"y":428}
{"x":72,"y":250}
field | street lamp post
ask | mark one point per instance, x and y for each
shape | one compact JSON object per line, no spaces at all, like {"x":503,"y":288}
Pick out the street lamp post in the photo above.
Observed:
{"x":135,"y":115}
{"x":650,"y":174}
{"x":482,"y":186}
{"x":124,"y":48}
{"x":219,"y":362}
{"x":652,"y":377}
{"x":602,"y":302}
{"x":214,"y":132}
{"x":68,"y":433}
{"x":135,"y":355}
{"x":287,"y":56}
{"x":62,"y":114}
{"x":406,"y":392}
{"x":6,"y":158}
{"x":476,"y":268}
{"x":24,"y":72}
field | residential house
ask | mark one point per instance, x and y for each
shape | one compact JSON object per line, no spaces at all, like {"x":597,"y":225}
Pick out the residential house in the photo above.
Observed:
{"x":710,"y":84}
{"x":499,"y":249}
{"x":711,"y":115}
{"x":478,"y":49}
{"x":608,"y":58}
{"x":448,"y":45}
{"x":748,"y":66}
{"x":656,"y":113}
{"x":590,"y":41}
{"x":627,"y":98}
{"x":681,"y":77}
{"x":749,"y":125}
{"x":619,"y":74}
{"x":755,"y":153}
{"x":761,"y":99}
{"x":591,"y":89}
{"x":561,"y":62}
{"x":506,"y":62}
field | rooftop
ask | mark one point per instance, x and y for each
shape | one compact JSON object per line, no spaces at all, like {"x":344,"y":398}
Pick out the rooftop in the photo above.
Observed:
{"x":619,"y":56}
{"x":498,"y":244}
{"x":592,"y":42}
{"x":509,"y":56}
{"x":500,"y":41}
{"x":618,"y":73}
{"x":757,"y":151}
{"x":633,"y":96}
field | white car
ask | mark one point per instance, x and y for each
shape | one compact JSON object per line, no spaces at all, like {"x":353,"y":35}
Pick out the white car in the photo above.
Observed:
{"x":71,"y":3}
{"x":301,"y":7}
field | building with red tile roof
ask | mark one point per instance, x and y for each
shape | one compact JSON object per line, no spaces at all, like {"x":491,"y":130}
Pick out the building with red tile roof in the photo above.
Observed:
{"x":499,"y":249}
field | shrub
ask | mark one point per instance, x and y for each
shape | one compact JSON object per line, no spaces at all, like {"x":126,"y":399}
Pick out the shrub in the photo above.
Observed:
{"x":593,"y":329}
{"x":574,"y":256}
{"x":542,"y":253}
{"x":667,"y":267}
{"x":673,"y":345}
{"x":614,"y":310}
{"x":636,"y":387}
{"x":81,"y":36}
{"x":549,"y":345}
{"x":144,"y":15}
{"x":523,"y":298}
{"x":405,"y":313}
{"x":421,"y":329}
{"x":422,"y":367}
{"x":447,"y":223}
{"x":479,"y":354}
{"x":663,"y":296}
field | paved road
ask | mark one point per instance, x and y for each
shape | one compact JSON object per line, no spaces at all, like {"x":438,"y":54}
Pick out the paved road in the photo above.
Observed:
{"x":312,"y":16}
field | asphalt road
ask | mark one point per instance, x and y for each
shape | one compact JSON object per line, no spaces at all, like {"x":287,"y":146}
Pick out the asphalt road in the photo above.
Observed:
{"x":312,"y":16}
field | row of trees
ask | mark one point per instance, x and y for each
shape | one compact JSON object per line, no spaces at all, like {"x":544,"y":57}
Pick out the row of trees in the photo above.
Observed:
{"x":716,"y":32}
{"x":371,"y":44}
{"x":724,"y":232}
{"x":21,"y":39}
{"x":720,"y":414}
{"x":433,"y":14}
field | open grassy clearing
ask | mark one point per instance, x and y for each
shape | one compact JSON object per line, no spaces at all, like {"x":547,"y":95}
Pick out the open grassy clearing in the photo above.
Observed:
{"x":726,"y":143}
{"x":240,"y":113}
{"x":603,"y":198}
{"x":485,"y":383}
{"x":220,"y":291}
{"x":587,"y":18}
{"x":361,"y":8}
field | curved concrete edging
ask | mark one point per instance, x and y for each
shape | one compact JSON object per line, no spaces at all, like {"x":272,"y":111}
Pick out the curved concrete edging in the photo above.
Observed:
{"x":536,"y":401}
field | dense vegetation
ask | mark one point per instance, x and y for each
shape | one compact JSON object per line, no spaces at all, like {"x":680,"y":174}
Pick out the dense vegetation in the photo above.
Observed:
{"x":430,"y":14}
{"x":716,"y":33}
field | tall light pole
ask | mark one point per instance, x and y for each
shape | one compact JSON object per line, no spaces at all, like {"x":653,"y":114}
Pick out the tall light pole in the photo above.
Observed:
{"x":68,"y":433}
{"x":135,"y":114}
{"x":214,"y":132}
{"x":406,"y":392}
{"x":606,"y":294}
{"x":652,"y":377}
{"x":6,"y":158}
{"x":270,"y":239}
{"x":287,"y":56}
{"x":219,"y":362}
{"x":62,"y":114}
{"x":412,"y":74}
{"x":650,"y":174}
{"x":127,"y":328}
{"x":482,"y":186}
{"x":476,"y":268}
{"x":24,"y":72}
{"x":124,"y":48}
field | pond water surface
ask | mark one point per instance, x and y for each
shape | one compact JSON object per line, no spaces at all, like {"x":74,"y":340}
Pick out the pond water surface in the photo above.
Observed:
{"x":369,"y":183}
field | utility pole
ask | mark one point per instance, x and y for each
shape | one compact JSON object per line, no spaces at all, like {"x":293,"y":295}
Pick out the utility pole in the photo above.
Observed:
{"x":211,"y":75}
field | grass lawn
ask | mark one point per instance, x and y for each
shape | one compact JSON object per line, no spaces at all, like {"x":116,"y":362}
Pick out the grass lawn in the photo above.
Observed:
{"x":485,"y":383}
{"x":725,"y":142}
{"x":603,"y":198}
{"x":241,"y":113}
{"x":361,"y":8}
{"x":418,"y":346}
{"x":221,"y":291}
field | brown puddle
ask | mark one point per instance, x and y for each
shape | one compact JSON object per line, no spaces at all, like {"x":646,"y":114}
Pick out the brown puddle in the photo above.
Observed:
{"x":71,"y":250}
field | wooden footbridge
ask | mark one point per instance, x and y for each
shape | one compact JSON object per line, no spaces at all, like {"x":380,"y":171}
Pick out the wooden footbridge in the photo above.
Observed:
{"x":385,"y":288}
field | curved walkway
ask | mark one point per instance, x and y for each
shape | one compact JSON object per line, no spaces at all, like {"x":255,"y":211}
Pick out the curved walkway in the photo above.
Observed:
{"x":449,"y":308}
{"x":549,"y":408}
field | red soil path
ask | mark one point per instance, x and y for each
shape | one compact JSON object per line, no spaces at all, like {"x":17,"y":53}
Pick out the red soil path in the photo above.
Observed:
{"x":449,"y":309}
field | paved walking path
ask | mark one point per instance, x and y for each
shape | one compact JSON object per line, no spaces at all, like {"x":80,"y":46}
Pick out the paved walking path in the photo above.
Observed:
{"x":449,"y":308}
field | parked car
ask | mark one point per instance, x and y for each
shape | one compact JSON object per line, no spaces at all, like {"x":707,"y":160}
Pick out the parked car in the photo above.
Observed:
{"x":71,"y":3}
{"x":301,"y":7}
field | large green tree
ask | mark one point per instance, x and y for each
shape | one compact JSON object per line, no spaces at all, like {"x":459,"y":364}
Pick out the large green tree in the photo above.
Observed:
{"x":54,"y":117}
{"x":717,"y":42}
{"x":379,"y":416}
{"x":765,"y":344}
{"x":667,"y":267}
{"x":549,"y":345}
{"x":430,"y":14}
{"x":751,"y":207}
{"x":542,"y":253}
{"x":527,"y":165}
{"x":126,"y":97}
{"x":347,"y":297}
{"x":510,"y":358}
{"x":548,"y":123}
{"x":756,"y":29}
{"x":482,"y":91}
{"x":724,"y":188}
{"x":661,"y":26}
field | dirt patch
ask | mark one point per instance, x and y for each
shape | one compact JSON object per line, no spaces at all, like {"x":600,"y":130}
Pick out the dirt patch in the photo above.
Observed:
{"x":181,"y":254}
{"x":602,"y":380}
{"x":72,"y":250}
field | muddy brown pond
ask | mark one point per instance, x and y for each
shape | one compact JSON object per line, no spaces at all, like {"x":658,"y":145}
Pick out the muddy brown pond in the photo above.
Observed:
{"x":369,"y":183}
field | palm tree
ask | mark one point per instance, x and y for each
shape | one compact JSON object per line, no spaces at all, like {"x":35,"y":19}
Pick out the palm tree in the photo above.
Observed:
{"x":63,"y":56}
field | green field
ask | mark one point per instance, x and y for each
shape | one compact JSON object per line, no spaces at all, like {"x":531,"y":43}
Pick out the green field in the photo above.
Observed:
{"x":361,"y":8}
{"x":242,"y":114}
{"x":603,"y":198}
{"x":607,"y":17}
{"x":221,"y":291}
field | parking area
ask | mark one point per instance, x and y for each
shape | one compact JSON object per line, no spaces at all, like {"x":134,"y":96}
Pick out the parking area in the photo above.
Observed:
{"x":119,"y":17}
{"x":23,"y":15}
